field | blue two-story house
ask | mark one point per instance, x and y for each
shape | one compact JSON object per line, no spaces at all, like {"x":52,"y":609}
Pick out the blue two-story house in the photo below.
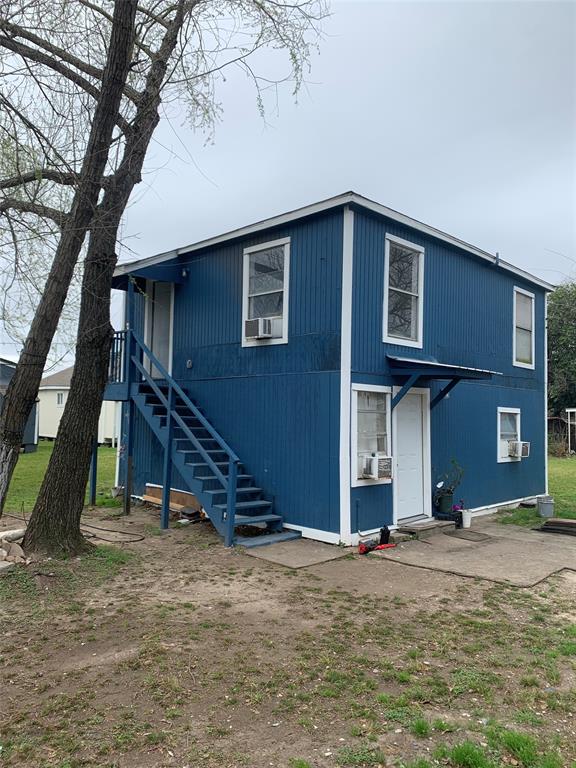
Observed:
{"x":317,"y":372}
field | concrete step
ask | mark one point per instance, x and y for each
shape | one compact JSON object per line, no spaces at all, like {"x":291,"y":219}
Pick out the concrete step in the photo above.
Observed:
{"x":265,"y":539}
{"x":423,"y":529}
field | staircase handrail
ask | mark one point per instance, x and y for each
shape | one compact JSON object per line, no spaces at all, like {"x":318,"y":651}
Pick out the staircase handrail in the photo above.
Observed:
{"x":184,"y":397}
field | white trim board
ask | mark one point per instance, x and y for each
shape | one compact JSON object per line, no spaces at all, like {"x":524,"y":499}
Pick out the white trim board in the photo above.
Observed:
{"x":546,"y":392}
{"x":346,"y":374}
{"x":347,"y":198}
{"x":315,"y":533}
{"x":488,"y":509}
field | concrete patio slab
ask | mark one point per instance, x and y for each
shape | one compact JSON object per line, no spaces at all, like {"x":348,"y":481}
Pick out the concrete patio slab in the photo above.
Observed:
{"x":510,"y":554}
{"x":299,"y":553}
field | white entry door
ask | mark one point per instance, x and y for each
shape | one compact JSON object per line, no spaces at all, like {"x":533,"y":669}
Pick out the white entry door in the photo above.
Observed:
{"x":159,"y":297}
{"x":410,"y":435}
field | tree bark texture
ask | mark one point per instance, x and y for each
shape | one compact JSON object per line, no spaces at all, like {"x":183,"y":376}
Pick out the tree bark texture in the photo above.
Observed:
{"x":23,"y":388}
{"x":54,"y":526}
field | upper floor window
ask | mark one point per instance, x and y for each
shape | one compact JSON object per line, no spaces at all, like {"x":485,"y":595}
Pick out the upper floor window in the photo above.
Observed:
{"x":265,"y":293}
{"x":523,"y":328}
{"x":60,"y":398}
{"x":403,"y":292}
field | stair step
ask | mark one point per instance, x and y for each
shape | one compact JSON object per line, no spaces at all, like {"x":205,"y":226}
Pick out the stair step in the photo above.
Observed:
{"x":254,"y":519}
{"x":213,"y":477}
{"x":252,"y":511}
{"x":246,"y":505}
{"x":265,"y":539}
{"x":246,"y":489}
{"x":203,"y":463}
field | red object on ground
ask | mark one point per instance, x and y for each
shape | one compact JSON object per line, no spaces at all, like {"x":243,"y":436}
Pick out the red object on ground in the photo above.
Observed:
{"x":370,"y":546}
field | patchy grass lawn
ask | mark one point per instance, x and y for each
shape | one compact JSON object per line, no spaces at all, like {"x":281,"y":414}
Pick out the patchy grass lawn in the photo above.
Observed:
{"x":31,"y":468}
{"x":174,"y":652}
{"x":562,"y":486}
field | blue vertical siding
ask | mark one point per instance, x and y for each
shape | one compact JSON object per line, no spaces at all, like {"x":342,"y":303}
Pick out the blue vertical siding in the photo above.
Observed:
{"x":277,"y":406}
{"x":468,"y":321}
{"x":464,"y":427}
{"x":468,"y":305}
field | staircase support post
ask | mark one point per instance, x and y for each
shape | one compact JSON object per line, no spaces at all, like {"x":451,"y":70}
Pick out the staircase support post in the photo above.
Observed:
{"x":167,"y":471}
{"x":231,"y":502}
{"x":93,"y":472}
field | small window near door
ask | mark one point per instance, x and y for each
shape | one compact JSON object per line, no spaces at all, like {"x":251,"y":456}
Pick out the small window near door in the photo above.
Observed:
{"x":523,"y":328}
{"x":404,"y":271}
{"x":60,"y":398}
{"x":265,"y":294}
{"x":508,"y":431}
{"x":370,"y":432}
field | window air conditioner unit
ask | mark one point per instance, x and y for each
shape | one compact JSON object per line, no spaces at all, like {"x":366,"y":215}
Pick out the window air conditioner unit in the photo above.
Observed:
{"x":377,"y":467}
{"x":258,"y":328}
{"x":518,"y":449}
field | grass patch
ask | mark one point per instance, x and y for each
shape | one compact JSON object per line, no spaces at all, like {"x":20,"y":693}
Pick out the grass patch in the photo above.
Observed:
{"x":16,"y":586}
{"x":31,"y":469}
{"x":420,"y":727}
{"x":524,"y":749}
{"x":469,"y":755}
{"x":360,"y":756}
{"x":562,"y":481}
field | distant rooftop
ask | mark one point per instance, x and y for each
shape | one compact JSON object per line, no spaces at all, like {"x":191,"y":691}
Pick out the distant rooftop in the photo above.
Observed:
{"x":59,"y":379}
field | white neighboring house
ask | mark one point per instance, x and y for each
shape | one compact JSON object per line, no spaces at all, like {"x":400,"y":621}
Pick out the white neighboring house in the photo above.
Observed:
{"x":52,"y":396}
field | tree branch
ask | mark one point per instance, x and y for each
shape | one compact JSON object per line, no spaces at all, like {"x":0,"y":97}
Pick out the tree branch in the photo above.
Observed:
{"x":40,"y":174}
{"x":15,"y":30}
{"x":43,"y":211}
{"x":32,"y":54}
{"x":108,"y":17}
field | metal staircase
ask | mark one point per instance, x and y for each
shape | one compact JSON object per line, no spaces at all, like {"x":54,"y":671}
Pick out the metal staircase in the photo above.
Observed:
{"x":207,"y":464}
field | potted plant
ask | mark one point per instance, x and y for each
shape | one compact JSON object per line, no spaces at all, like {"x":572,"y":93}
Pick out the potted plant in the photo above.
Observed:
{"x":443,"y":497}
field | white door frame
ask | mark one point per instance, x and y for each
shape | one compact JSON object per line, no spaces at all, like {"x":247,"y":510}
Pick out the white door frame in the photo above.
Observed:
{"x":426,"y":452}
{"x":148,"y":323}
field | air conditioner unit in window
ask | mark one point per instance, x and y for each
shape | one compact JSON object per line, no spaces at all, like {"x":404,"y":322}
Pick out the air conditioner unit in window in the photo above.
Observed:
{"x":258,"y":328}
{"x":377,"y":467}
{"x":518,"y":449}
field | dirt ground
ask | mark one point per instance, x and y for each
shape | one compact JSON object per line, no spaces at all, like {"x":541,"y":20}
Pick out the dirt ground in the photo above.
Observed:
{"x":173,"y":651}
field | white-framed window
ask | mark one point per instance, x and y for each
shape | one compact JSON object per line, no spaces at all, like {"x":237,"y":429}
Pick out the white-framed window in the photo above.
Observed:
{"x":523,"y":343}
{"x":508,"y":431}
{"x":60,"y":398}
{"x":370,"y":426}
{"x":403,"y":292}
{"x":266,"y":271}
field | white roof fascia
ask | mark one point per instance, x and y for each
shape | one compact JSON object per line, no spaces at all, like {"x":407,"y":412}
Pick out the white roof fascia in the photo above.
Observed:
{"x":348,"y":198}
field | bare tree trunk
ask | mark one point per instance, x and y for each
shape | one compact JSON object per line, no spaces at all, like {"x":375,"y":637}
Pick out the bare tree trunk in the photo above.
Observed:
{"x":54,"y":525}
{"x":23,"y":388}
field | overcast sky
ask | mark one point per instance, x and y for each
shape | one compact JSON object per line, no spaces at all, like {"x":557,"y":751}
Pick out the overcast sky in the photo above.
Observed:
{"x":460,"y":114}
